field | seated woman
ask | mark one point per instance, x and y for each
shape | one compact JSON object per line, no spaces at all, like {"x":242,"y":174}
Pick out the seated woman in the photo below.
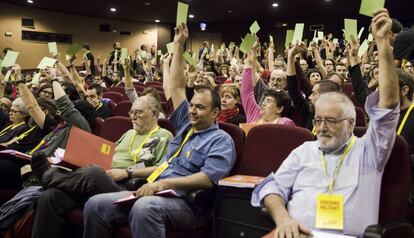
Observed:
{"x":275,"y":105}
{"x":230,"y":97}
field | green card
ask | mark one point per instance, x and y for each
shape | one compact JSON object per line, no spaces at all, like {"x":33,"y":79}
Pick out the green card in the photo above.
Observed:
{"x":320,"y":35}
{"x":368,"y":7}
{"x":360,"y":32}
{"x":370,"y":37}
{"x":254,"y":28}
{"x":182,"y":12}
{"x":10,"y":59}
{"x":7,"y":76}
{"x":298,"y":34}
{"x":170,"y":47}
{"x":52,"y":48}
{"x":73,"y":49}
{"x":363,"y":48}
{"x":35,"y":79}
{"x":350,"y":28}
{"x":1,"y":61}
{"x":124,"y":55}
{"x":232,"y":44}
{"x":159,"y":52}
{"x":289,"y":37}
{"x":189,"y":59}
{"x":46,"y":62}
{"x":247,"y":43}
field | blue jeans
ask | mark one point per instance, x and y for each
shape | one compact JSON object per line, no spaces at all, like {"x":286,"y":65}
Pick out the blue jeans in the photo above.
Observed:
{"x":148,"y":217}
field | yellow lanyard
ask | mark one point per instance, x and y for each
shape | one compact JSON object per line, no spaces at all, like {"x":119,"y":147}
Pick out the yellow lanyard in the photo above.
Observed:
{"x":134,"y":153}
{"x":24,"y":134}
{"x":338,"y":166}
{"x":314,"y":131}
{"x":5,"y":130}
{"x":100,"y":105}
{"x":37,"y":147}
{"x":189,"y":133}
{"x":161,"y":168}
{"x":405,"y":119}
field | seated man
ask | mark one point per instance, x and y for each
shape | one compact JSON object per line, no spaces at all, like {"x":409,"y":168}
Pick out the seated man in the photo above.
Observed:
{"x":338,"y":168}
{"x":139,"y":149}
{"x":198,"y":157}
{"x":94,"y":97}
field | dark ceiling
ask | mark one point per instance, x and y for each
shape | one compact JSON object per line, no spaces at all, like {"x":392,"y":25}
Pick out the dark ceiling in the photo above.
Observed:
{"x":219,"y":11}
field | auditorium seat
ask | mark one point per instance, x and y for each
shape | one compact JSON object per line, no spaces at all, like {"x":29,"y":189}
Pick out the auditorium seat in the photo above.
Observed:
{"x":124,"y":97}
{"x":150,"y":83}
{"x":96,"y":130}
{"x":347,"y":89}
{"x":159,"y":88}
{"x":356,"y":101}
{"x":296,"y":117}
{"x":114,"y":96}
{"x":239,"y":139}
{"x":138,"y":84}
{"x":112,"y":107}
{"x":114,"y":127}
{"x":268,"y":145}
{"x":166,"y":124}
{"x":122,"y":108}
{"x":118,"y":89}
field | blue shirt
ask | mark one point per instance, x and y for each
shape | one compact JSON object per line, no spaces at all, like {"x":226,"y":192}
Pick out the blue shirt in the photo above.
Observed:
{"x":301,"y":177}
{"x":210,"y":151}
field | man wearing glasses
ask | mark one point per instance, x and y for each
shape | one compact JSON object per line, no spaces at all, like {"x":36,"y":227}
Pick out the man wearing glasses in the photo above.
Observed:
{"x":334,"y":183}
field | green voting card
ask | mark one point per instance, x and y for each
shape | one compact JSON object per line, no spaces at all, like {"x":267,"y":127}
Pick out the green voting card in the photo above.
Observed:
{"x":247,"y":43}
{"x":350,"y":28}
{"x":254,"y":28}
{"x":289,"y":37}
{"x":363,"y":48}
{"x":159,"y":52}
{"x":10,"y":59}
{"x":170,"y":47}
{"x":7,"y":76}
{"x":124,"y":55}
{"x":232,"y":44}
{"x":35,"y":79}
{"x":189,"y":59}
{"x":52,"y":48}
{"x":368,"y":7}
{"x":298,"y":33}
{"x":182,"y":12}
{"x":73,"y":49}
{"x":46,"y":62}
{"x":320,"y":35}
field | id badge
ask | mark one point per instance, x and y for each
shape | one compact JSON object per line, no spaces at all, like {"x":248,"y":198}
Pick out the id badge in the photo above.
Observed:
{"x":330,"y":211}
{"x":157,"y":172}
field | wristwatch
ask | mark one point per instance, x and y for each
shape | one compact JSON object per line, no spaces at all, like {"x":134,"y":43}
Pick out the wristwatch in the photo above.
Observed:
{"x":129,"y":171}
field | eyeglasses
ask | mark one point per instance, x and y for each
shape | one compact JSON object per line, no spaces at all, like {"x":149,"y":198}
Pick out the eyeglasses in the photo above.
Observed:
{"x":408,"y":66}
{"x":14,"y":111}
{"x":317,"y":121}
{"x":135,"y":113}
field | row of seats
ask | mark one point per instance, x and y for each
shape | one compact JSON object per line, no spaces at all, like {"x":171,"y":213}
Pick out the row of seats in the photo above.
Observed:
{"x":263,"y":151}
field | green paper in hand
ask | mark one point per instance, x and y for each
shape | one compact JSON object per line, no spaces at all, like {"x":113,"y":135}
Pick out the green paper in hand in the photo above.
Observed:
{"x":368,"y":7}
{"x":350,"y":28}
{"x":46,"y":62}
{"x":159,"y":52}
{"x":124,"y":55}
{"x":254,"y":28}
{"x":182,"y":12}
{"x":52,"y":48}
{"x":170,"y":47}
{"x":320,"y":35}
{"x":35,"y":79}
{"x":189,"y":59}
{"x":247,"y":43}
{"x":289,"y":37}
{"x":298,"y":34}
{"x":363,"y":48}
{"x":10,"y":59}
{"x":7,"y":76}
{"x":73,"y":49}
{"x":232,"y":44}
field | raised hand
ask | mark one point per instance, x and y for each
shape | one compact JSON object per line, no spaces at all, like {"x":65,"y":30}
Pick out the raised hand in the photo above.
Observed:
{"x":296,"y":49}
{"x":181,"y":34}
{"x":381,"y":25}
{"x":353,"y":46}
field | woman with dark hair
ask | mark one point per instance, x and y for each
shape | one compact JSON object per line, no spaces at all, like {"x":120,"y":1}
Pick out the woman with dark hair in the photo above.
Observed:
{"x":45,"y":91}
{"x":314,"y":76}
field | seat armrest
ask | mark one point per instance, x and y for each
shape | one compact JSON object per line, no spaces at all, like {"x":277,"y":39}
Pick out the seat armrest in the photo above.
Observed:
{"x":202,"y":200}
{"x":388,"y":230}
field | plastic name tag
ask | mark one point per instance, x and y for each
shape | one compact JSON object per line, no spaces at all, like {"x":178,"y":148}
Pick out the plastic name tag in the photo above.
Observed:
{"x":157,"y":172}
{"x":330,"y":211}
{"x":105,"y":149}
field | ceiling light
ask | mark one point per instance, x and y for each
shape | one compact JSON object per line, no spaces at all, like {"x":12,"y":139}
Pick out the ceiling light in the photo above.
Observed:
{"x":275,"y":5}
{"x":191,"y":16}
{"x":30,"y":1}
{"x":147,"y":4}
{"x":229,"y":11}
{"x":157,"y":20}
{"x":284,"y":24}
{"x":113,"y":9}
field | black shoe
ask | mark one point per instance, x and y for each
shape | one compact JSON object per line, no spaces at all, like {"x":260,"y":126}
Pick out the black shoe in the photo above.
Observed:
{"x":39,"y":165}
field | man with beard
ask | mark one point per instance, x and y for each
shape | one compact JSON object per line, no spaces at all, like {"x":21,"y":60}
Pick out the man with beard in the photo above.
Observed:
{"x":338,"y":170}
